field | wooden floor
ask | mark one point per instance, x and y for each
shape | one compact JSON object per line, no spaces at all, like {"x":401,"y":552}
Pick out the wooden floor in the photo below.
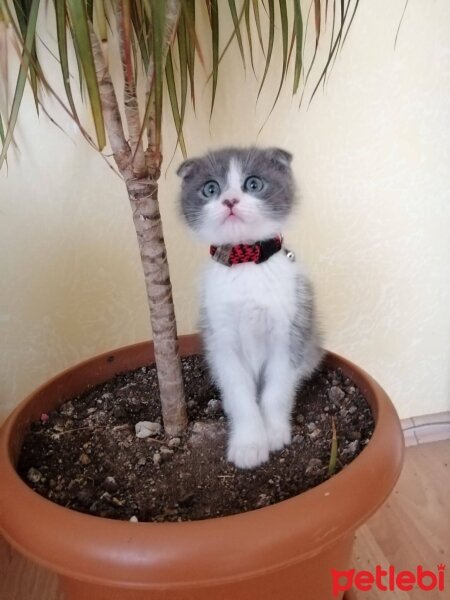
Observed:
{"x":412,"y":528}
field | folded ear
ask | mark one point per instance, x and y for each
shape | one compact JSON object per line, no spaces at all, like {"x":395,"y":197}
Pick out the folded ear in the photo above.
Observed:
{"x":280,"y":157}
{"x":186,"y":168}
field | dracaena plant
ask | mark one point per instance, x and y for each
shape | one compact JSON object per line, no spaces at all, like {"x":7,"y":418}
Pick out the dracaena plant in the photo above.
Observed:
{"x":157,"y":41}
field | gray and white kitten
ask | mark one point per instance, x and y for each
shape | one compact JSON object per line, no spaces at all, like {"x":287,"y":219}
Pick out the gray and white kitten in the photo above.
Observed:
{"x":258,"y":324}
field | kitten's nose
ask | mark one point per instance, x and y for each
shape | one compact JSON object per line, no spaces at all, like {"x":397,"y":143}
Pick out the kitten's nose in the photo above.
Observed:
{"x":230,"y":203}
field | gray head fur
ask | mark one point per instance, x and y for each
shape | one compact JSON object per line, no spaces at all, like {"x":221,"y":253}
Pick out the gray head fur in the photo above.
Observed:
{"x":259,"y":214}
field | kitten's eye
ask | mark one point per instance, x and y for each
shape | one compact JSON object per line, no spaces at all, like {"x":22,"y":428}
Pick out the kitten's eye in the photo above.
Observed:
{"x":210,"y":189}
{"x":253,"y":184}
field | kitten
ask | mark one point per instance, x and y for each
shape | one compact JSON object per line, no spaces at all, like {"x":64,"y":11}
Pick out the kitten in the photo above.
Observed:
{"x":257,"y":318}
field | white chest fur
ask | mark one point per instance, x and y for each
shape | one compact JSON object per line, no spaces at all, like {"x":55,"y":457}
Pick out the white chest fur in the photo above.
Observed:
{"x":250,"y":307}
{"x":270,"y":286}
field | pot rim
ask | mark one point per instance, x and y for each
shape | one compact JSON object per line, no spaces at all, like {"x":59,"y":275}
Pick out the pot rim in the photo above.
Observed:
{"x":205,"y":552}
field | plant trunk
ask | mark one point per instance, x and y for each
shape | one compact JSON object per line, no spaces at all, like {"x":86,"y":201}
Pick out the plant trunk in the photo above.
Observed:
{"x":143,"y":194}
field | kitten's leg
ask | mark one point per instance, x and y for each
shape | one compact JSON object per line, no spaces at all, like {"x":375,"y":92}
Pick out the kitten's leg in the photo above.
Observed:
{"x":281,"y":379}
{"x":247,"y":445}
{"x":294,"y":354}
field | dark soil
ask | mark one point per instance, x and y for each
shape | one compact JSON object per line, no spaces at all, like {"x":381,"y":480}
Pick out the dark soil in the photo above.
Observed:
{"x":86,"y":455}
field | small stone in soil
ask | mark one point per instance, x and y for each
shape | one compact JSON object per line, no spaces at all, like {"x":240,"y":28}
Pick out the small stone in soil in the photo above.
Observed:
{"x":165,"y":454}
{"x":34,"y":475}
{"x":110,"y":484}
{"x":213,"y":406}
{"x":84,"y":459}
{"x":353,"y":446}
{"x":314,"y":465}
{"x":335,"y":394}
{"x":145,"y":429}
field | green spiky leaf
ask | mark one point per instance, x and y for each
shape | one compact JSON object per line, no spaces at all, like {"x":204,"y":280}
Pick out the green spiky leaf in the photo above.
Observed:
{"x":90,"y":9}
{"x":177,"y":116}
{"x":270,"y":43}
{"x":158,"y":21}
{"x":214,"y":15}
{"x":80,"y":27}
{"x":61,"y":34}
{"x":284,"y":35}
{"x":188,"y":9}
{"x":351,"y":21}
{"x":332,"y":52}
{"x":100,"y":18}
{"x":248,"y":27}
{"x":285,"y":41}
{"x":235,"y":33}
{"x":298,"y":28}
{"x":22,"y":8}
{"x":183,"y":62}
{"x":28,"y":45}
{"x":255,"y":4}
{"x":140,"y":31}
{"x":2,"y":131}
{"x":317,"y":19}
{"x":237,"y":29}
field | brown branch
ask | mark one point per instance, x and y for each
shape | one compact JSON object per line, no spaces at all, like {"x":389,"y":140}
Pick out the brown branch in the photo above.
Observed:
{"x":113,"y":120}
{"x":130,"y":97}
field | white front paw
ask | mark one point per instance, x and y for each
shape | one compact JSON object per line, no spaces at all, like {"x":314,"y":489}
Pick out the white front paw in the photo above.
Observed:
{"x":278,"y":434}
{"x":247,"y":452}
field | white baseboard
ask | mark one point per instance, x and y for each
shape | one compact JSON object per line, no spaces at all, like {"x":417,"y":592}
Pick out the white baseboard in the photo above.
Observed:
{"x":426,"y":428}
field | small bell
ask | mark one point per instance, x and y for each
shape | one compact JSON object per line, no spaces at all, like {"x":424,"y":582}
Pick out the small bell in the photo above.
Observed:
{"x":290,"y":255}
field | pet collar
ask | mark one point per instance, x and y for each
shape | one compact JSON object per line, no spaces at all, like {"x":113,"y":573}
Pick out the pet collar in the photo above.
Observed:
{"x":241,"y":253}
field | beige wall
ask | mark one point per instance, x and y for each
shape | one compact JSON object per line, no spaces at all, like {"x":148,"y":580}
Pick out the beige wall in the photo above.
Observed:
{"x":372,"y":159}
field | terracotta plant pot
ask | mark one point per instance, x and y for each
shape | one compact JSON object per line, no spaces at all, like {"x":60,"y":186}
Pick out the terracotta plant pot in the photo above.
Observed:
{"x":284,"y":551}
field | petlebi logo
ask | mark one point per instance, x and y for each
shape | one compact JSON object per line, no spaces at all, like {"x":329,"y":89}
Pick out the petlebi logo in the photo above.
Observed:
{"x":388,"y":580}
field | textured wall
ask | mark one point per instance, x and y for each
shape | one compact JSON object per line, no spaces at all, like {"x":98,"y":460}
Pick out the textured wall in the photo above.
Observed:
{"x":372,"y":158}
